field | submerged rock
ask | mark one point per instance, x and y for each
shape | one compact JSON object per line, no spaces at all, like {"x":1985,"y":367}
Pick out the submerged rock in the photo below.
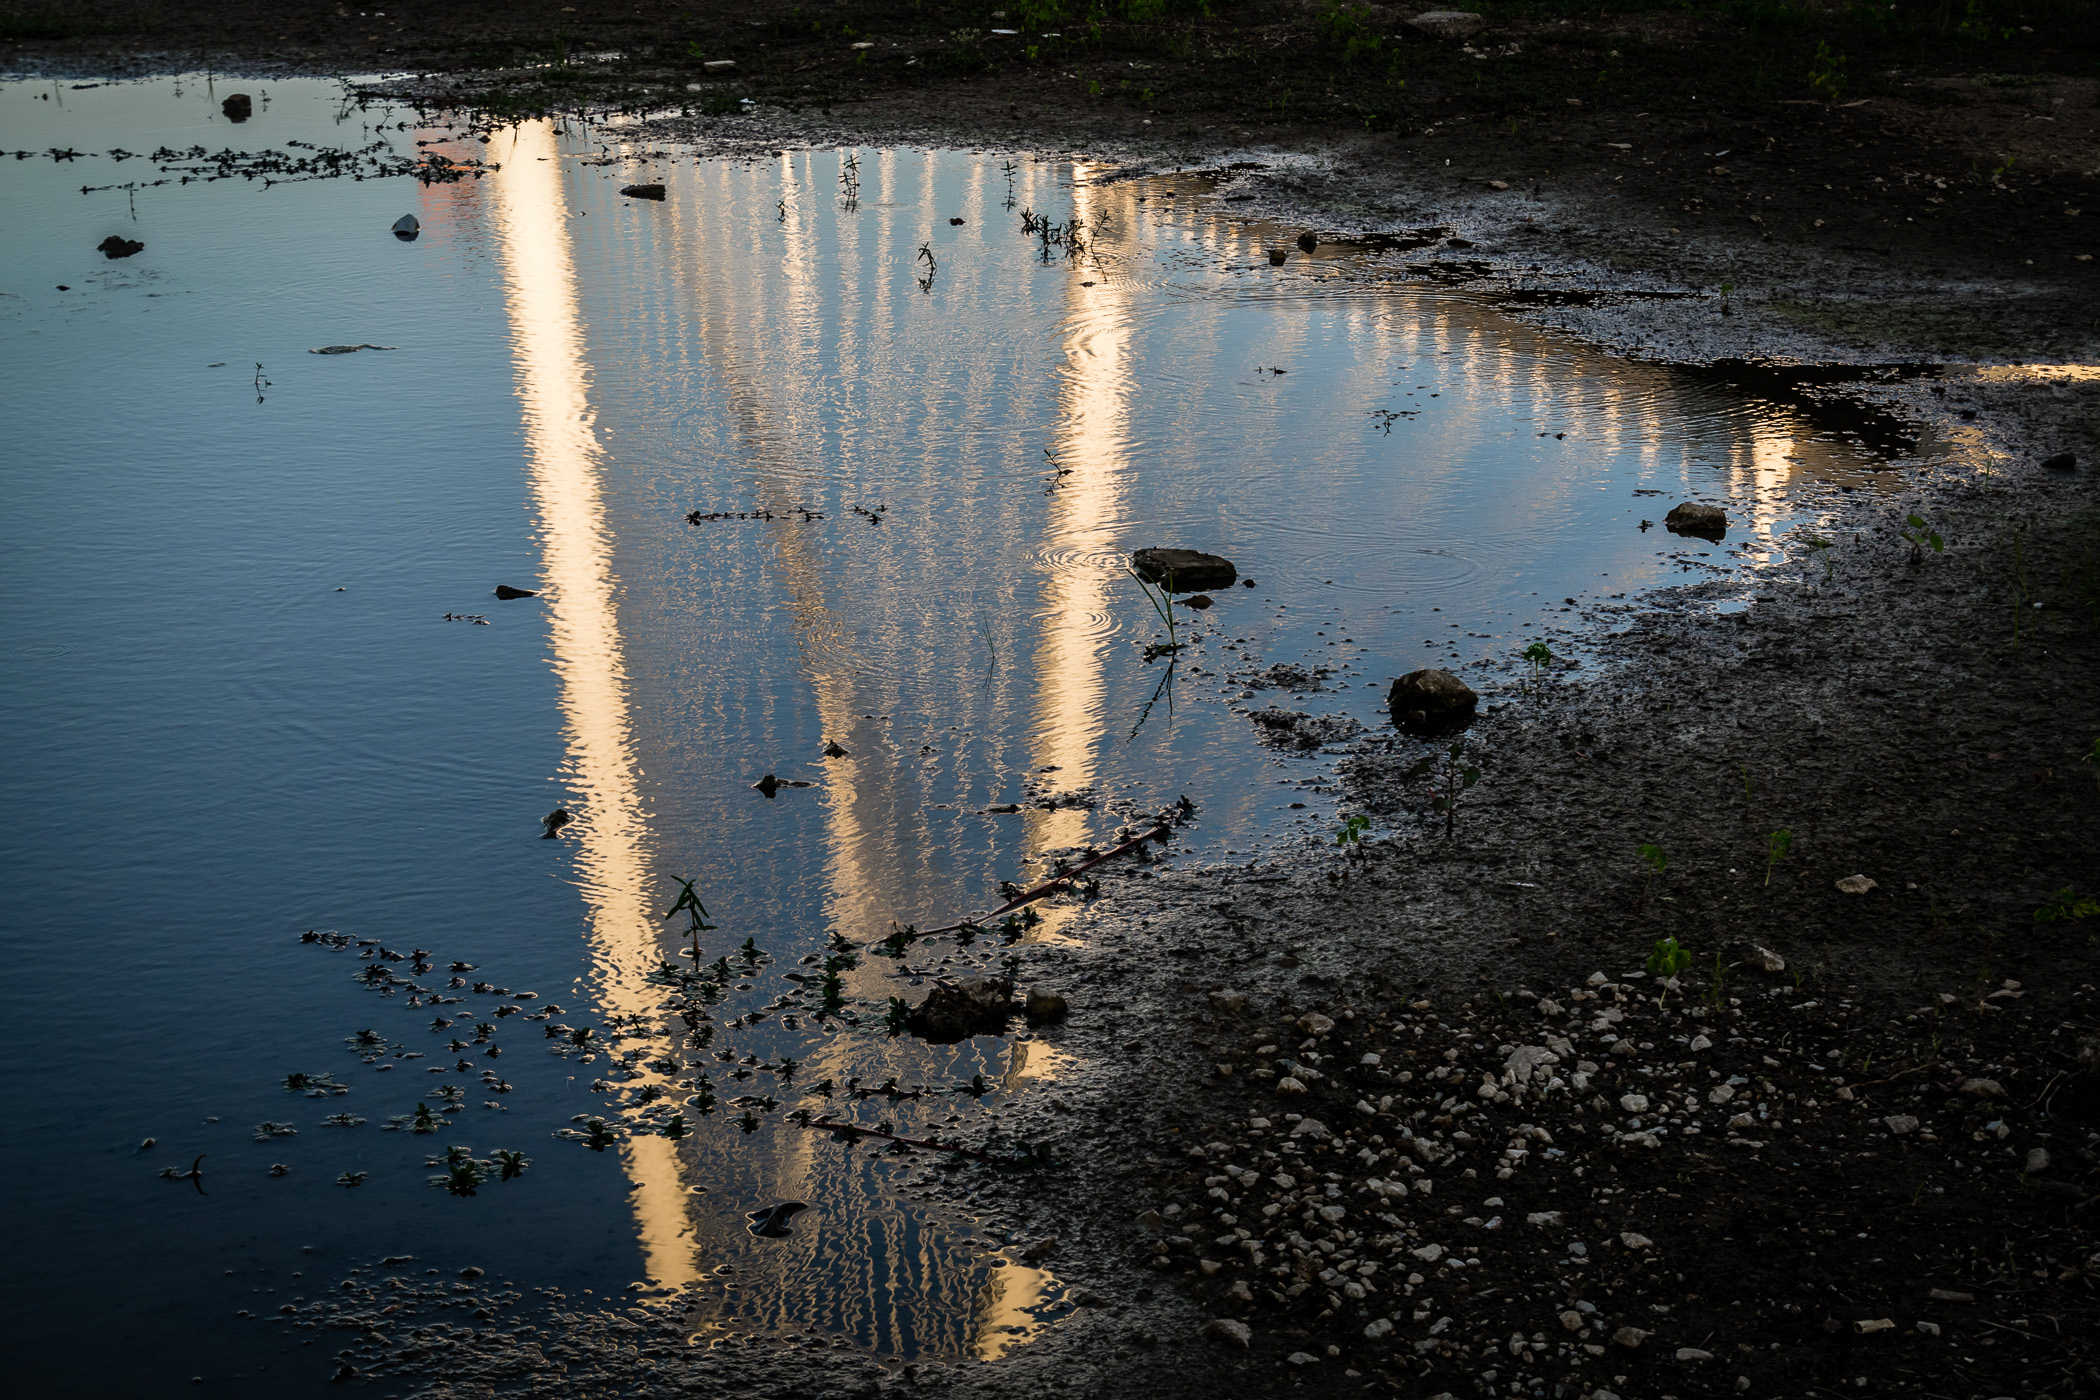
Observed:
{"x":1691,"y":518}
{"x":1184,"y":570}
{"x":955,"y":1011}
{"x":834,"y":749}
{"x":504,"y":590}
{"x":554,"y":821}
{"x":238,"y":107}
{"x":406,"y":228}
{"x":114,"y":247}
{"x":1045,"y":1005}
{"x":1427,"y":701}
{"x":642,"y":191}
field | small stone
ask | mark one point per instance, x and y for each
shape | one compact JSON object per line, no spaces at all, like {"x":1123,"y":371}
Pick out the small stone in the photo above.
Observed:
{"x":1982,"y":1089}
{"x":1240,"y":1292}
{"x":1151,"y":1220}
{"x":1429,"y":1253}
{"x":1287,"y":1087}
{"x":1333,"y":1215}
{"x":1949,"y":1295}
{"x":1930,"y":1329}
{"x":1635,"y":1240}
{"x":1634,"y":1103}
{"x":1866,"y":1326}
{"x":238,"y":107}
{"x":1223,"y":1000}
{"x":1302,"y":1358}
{"x":1312,"y":1128}
{"x":1316,"y":1024}
{"x":642,"y":191}
{"x":114,"y":247}
{"x":407,"y":227}
{"x":1693,"y":1354}
{"x":1571,"y":1320}
{"x":1700,"y":1042}
{"x":1208,"y":1266}
{"x":1379,"y":1327}
{"x":1229,"y":1331}
{"x":1692,"y":518}
{"x":1631,"y":1337}
{"x":2037,"y":1160}
{"x":1765,"y":959}
{"x":1543,"y":1218}
{"x":1855,"y":884}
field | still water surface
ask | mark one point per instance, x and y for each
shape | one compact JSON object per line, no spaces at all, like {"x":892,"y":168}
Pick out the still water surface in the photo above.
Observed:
{"x":236,"y":711}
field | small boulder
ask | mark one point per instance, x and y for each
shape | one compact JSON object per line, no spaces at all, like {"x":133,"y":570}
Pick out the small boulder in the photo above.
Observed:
{"x":1045,"y":1006}
{"x":1308,"y":241}
{"x":642,"y":191}
{"x":1631,"y":1337}
{"x":407,"y":227}
{"x":1229,"y":1331}
{"x":1184,"y":570}
{"x":955,"y":1011}
{"x":1691,"y":518}
{"x":506,"y":592}
{"x":238,"y":107}
{"x":1447,"y":24}
{"x":1430,"y":701}
{"x":114,"y":247}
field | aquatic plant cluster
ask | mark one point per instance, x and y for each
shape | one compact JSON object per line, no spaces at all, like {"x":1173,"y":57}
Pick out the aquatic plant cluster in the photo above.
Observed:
{"x":196,"y":165}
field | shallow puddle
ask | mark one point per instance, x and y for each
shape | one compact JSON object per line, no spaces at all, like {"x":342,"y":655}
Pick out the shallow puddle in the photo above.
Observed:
{"x":842,"y":448}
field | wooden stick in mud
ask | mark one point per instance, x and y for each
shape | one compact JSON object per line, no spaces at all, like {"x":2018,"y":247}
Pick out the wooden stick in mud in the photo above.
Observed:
{"x":927,"y":1143}
{"x":1159,"y":833}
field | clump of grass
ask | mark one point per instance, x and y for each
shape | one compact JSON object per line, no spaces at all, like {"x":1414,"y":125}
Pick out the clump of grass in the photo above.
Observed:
{"x":1776,"y":846}
{"x":1652,"y":856}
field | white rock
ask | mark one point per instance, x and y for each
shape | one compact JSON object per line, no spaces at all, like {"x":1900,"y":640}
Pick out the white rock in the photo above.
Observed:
{"x":1287,"y":1087}
{"x":1571,"y":1320}
{"x":1700,"y":1042}
{"x":1766,"y":959}
{"x":1368,"y":1059}
{"x":1930,"y":1329}
{"x":1312,"y":1128}
{"x":1447,"y":24}
{"x":1721,"y":1093}
{"x":1379,"y":1327}
{"x":1333,"y":1215}
{"x":1634,"y":1103}
{"x":1634,"y":1240}
{"x":1855,"y":884}
{"x":1302,"y":1358}
{"x":1429,"y":1253}
{"x":1543,"y":1217}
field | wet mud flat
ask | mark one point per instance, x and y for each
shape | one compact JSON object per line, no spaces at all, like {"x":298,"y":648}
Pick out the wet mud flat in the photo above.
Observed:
{"x":1423,"y":1118}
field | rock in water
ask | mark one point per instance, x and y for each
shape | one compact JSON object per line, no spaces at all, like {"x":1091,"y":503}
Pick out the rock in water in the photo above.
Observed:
{"x":767,"y":785}
{"x":554,"y":821}
{"x":773,"y":1220}
{"x":1447,"y":24}
{"x":1691,"y":518}
{"x":238,"y":107}
{"x":1045,"y":1006}
{"x":504,"y":590}
{"x":954,"y":1011}
{"x":835,"y":749}
{"x":1429,"y":701}
{"x":116,"y":247}
{"x":642,"y":191}
{"x":1308,"y":241}
{"x":1191,"y":571}
{"x":1199,"y":602}
{"x":406,"y":228}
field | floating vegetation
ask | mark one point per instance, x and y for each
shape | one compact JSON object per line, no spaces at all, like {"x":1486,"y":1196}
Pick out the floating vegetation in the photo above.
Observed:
{"x":352,"y":1178}
{"x":265,"y":1131}
{"x":343,"y":1120}
{"x":314,"y":1086}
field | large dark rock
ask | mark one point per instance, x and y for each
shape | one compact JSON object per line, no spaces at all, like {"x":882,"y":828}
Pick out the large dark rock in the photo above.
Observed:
{"x":1691,"y":518}
{"x":1427,"y":702}
{"x":954,"y":1011}
{"x":1184,"y":570}
{"x":117,"y":246}
{"x":238,"y":108}
{"x":642,"y":191}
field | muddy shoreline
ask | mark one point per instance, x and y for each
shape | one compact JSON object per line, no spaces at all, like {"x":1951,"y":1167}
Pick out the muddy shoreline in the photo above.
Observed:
{"x":1921,"y":722}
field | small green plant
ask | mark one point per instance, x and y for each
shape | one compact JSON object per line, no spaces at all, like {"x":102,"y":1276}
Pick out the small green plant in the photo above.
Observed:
{"x":597,"y":1136}
{"x":1924,"y":538}
{"x":1540,"y":656}
{"x":1717,"y":989}
{"x":2067,"y":904}
{"x":1666,"y":961}
{"x":1776,"y":847}
{"x":1456,"y":777}
{"x":674,"y":1127}
{"x":510,"y":1164}
{"x":1827,"y":74}
{"x":1657,"y":862}
{"x":897,"y":1019}
{"x":1819,"y":548}
{"x":1352,"y":832}
{"x":1161,"y":597}
{"x":696,"y":915}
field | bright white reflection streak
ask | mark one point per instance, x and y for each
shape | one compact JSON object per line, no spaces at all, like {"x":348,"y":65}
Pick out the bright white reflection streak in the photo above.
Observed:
{"x":576,"y":574}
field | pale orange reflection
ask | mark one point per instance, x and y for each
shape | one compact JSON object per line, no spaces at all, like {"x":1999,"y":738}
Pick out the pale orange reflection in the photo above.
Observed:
{"x":577,"y":578}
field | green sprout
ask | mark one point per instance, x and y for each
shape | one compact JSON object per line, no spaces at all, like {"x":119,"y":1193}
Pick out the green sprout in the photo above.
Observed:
{"x":1922,"y":540}
{"x":1540,"y":656}
{"x":896,"y":1019}
{"x":696,"y":915}
{"x":1656,"y":862}
{"x":1667,"y":961}
{"x":1352,"y":832}
{"x":674,"y":1127}
{"x":1776,"y":847}
{"x":1457,"y":776}
{"x":1161,"y":597}
{"x":1717,"y":989}
{"x":512,"y":1164}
